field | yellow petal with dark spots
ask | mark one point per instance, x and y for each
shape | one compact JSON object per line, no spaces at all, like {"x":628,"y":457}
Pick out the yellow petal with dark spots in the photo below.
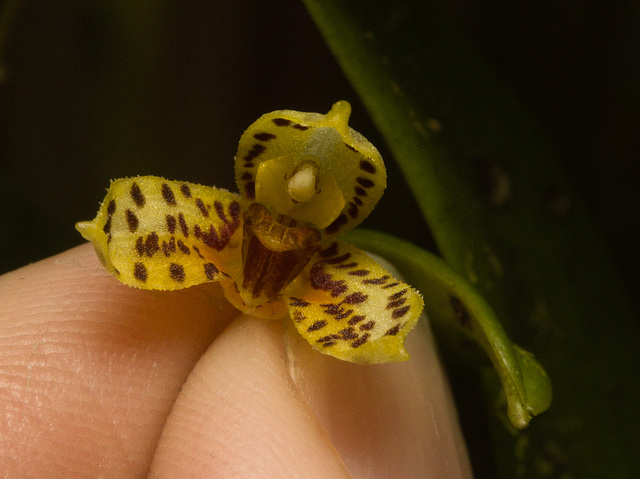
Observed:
{"x":352,"y":308}
{"x":152,"y":233}
{"x":304,"y":179}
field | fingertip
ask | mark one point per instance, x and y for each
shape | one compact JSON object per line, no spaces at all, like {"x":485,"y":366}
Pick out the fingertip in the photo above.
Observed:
{"x":240,"y":415}
{"x":258,"y":406}
{"x":385,"y":420}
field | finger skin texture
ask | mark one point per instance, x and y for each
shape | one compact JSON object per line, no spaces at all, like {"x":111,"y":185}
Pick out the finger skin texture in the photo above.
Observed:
{"x":387,"y":420}
{"x":240,"y":415}
{"x":275,"y":408}
{"x":101,"y":380}
{"x":89,"y":369}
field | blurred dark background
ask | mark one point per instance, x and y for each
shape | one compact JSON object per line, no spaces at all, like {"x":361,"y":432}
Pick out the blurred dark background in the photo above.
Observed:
{"x":95,"y":90}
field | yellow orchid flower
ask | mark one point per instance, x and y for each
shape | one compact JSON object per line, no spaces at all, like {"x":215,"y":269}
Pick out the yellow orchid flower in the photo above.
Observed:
{"x":305,"y":179}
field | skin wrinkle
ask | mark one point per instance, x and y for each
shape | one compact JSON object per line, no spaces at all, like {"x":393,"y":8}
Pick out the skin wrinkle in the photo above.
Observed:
{"x":87,"y":425}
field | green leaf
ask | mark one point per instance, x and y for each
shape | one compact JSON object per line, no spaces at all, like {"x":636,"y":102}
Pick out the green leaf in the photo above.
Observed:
{"x":460,"y":314}
{"x":504,"y":218}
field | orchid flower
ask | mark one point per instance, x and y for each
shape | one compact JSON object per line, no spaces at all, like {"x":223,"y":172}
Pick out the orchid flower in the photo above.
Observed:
{"x":304,"y":180}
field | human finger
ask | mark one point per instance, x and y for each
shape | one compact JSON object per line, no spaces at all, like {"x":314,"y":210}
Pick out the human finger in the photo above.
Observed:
{"x":262,"y":403}
{"x":240,"y":415}
{"x":89,"y":368}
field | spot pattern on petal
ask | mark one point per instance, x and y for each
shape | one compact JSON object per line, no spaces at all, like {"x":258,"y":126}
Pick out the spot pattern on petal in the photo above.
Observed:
{"x":304,"y":178}
{"x":354,"y":163}
{"x":159,"y":234}
{"x":354,"y":309}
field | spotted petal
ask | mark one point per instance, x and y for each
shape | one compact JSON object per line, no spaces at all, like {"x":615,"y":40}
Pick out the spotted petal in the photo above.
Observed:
{"x":153,"y":233}
{"x":352,"y":308}
{"x":311,"y":167}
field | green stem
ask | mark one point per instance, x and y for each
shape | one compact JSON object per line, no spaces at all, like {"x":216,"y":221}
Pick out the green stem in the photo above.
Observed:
{"x":459,"y":315}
